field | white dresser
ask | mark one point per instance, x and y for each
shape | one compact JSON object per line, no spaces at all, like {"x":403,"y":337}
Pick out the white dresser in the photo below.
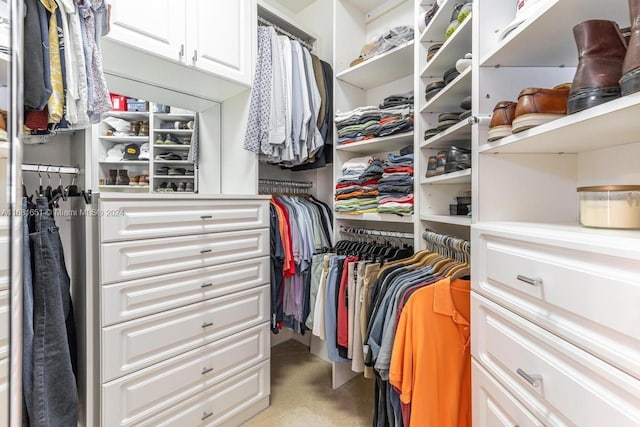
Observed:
{"x":184,"y":310}
{"x":556,"y":338}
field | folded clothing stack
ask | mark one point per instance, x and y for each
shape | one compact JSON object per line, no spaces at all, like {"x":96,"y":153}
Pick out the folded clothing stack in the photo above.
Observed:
{"x":357,"y":188}
{"x":394,"y":115}
{"x":386,"y":41}
{"x":395,"y":188}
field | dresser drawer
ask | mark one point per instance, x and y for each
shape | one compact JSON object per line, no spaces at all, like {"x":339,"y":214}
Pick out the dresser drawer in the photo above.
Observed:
{"x":133,"y":398}
{"x":142,"y":297}
{"x":560,"y":384}
{"x":4,"y":324}
{"x":145,"y":258}
{"x":149,"y":219}
{"x":133,"y":345}
{"x":591,"y":300}
{"x":229,"y":403}
{"x":493,"y":406}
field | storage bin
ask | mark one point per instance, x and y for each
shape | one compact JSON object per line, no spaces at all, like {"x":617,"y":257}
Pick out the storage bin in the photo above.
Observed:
{"x":610,"y":206}
{"x":136,"y":105}
{"x":118,"y":102}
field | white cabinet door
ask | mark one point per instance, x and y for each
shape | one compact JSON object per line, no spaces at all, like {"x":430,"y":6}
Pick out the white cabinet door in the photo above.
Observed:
{"x":219,"y":36}
{"x":155,"y":26}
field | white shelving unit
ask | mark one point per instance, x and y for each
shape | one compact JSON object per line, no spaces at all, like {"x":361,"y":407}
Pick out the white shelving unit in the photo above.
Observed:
{"x":449,"y":98}
{"x":378,"y":145}
{"x":456,"y":46}
{"x":448,"y":219}
{"x":376,"y":217}
{"x":461,"y":177}
{"x":458,"y":134}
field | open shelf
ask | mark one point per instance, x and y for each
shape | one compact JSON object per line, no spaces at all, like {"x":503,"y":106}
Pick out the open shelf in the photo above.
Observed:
{"x":142,"y":139}
{"x":128,"y":115}
{"x":387,"y":67}
{"x":537,"y":43}
{"x":448,"y":219}
{"x":174,"y":131}
{"x":461,"y":177}
{"x":439,"y":23}
{"x":124,"y":188}
{"x":587,"y":130}
{"x":171,"y":147}
{"x":453,"y":49}
{"x":173,"y":162}
{"x":171,"y":117}
{"x":125,"y":162}
{"x":173,"y":177}
{"x":458,"y":135}
{"x":449,"y":98}
{"x":375,"y":217}
{"x":378,"y":145}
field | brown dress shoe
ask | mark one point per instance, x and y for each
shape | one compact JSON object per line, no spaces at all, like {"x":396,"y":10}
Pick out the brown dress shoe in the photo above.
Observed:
{"x":601,"y":49}
{"x":630,"y":81}
{"x":537,"y":106}
{"x":501,"y":120}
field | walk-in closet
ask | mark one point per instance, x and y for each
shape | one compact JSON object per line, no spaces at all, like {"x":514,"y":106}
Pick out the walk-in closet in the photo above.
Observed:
{"x":388,"y":213}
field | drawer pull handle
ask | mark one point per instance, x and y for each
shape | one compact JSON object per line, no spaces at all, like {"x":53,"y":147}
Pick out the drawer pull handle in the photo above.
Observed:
{"x":532,"y":379}
{"x":203,"y":217}
{"x":206,"y":324}
{"x":205,"y":251}
{"x":205,"y":415}
{"x":206,"y":285}
{"x":529,"y":280}
{"x":206,"y":370}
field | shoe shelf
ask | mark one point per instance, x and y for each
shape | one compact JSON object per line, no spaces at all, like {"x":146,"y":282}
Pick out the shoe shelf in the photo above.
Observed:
{"x":129,"y":139}
{"x":171,"y":146}
{"x":173,"y":162}
{"x":387,"y":67}
{"x":137,"y":188}
{"x":448,"y":219}
{"x":584,"y":131}
{"x":378,"y":145}
{"x":375,"y":217}
{"x":458,"y":135}
{"x":460,"y":177}
{"x":538,"y":43}
{"x":173,"y":177}
{"x":436,"y":29}
{"x":173,"y":117}
{"x":129,"y":115}
{"x":125,"y":162}
{"x":453,"y":49}
{"x":449,"y":98}
{"x":174,"y":131}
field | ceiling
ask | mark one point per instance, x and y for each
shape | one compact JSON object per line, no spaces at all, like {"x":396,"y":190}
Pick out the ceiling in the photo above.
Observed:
{"x":295,"y":6}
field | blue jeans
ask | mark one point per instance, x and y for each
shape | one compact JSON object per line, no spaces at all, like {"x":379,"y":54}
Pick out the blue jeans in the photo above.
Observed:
{"x":55,"y":395}
{"x":27,"y":317}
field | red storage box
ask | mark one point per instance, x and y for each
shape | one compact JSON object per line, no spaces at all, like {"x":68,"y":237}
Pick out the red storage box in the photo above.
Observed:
{"x":119,"y":102}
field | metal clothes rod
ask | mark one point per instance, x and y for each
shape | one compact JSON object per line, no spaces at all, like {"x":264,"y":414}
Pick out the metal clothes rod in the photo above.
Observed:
{"x":284,"y":183}
{"x":381,"y":233}
{"x":51,"y":169}
{"x":284,"y":32}
{"x":448,"y":246}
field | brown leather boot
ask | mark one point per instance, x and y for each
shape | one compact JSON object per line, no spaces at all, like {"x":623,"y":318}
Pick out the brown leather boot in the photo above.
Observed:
{"x":111,"y":177}
{"x":630,"y":81}
{"x":601,"y":50}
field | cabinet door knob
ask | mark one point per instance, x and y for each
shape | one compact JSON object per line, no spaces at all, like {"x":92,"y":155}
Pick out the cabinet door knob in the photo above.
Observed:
{"x":195,"y":56}
{"x":533,"y":379}
{"x":206,"y":415}
{"x":535,"y":281}
{"x":206,"y":324}
{"x":203,"y":217}
{"x":206,"y":285}
{"x":205,"y":251}
{"x":181,"y":52}
{"x":206,"y":370}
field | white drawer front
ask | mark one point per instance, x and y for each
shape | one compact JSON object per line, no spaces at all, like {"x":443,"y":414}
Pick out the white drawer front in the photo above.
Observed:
{"x":576,"y":388}
{"x":493,"y":406}
{"x":133,"y":398}
{"x":4,"y":324}
{"x":142,"y":297}
{"x":128,"y":220}
{"x":590,"y":300}
{"x":146,"y":258}
{"x":221,"y":404}
{"x":4,"y":253}
{"x":133,"y":345}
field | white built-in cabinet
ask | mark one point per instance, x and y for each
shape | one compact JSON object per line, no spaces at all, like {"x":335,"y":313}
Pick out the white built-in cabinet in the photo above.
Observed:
{"x":213,"y":36}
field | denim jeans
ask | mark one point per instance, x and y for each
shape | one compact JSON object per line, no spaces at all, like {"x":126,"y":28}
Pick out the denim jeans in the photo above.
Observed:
{"x":55,"y":396}
{"x":331,"y":309}
{"x":27,"y":318}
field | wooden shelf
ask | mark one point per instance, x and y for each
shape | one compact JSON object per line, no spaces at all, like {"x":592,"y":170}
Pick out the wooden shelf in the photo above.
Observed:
{"x":439,"y":23}
{"x":448,"y":219}
{"x":537,"y":43}
{"x":375,"y":217}
{"x":458,"y":135}
{"x":462,"y":177}
{"x":378,"y":145}
{"x":142,"y":139}
{"x":390,"y":66}
{"x":453,"y":49}
{"x":125,"y":162}
{"x":449,"y":98}
{"x":171,"y":117}
{"x":587,"y":130}
{"x":128,"y":115}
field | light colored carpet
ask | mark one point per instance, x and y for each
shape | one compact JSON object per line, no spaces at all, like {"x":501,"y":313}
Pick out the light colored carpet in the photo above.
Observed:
{"x":301,"y":393}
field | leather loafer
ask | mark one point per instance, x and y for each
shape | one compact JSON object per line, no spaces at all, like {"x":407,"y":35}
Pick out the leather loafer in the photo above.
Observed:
{"x":432,"y":89}
{"x":501,"y":120}
{"x":537,"y":106}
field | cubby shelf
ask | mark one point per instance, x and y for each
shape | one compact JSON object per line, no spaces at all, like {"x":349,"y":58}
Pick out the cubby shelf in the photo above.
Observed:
{"x":174,"y":131}
{"x":376,"y":217}
{"x":461,"y":177}
{"x":384,"y":68}
{"x":176,"y":117}
{"x":458,"y":134}
{"x":171,"y":147}
{"x":124,"y":162}
{"x":128,"y":115}
{"x":378,"y":145}
{"x":449,"y":98}
{"x":142,"y":139}
{"x":436,"y":29}
{"x":447,"y":219}
{"x":453,"y":49}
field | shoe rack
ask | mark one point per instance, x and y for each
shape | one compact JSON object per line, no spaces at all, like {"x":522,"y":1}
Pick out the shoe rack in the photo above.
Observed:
{"x":440,"y":193}
{"x":161,"y":174}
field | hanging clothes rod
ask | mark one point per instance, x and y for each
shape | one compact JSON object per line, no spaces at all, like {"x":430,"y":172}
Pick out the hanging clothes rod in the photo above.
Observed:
{"x":304,"y":42}
{"x":51,"y":169}
{"x":285,"y":183}
{"x":381,"y":233}
{"x":448,"y":246}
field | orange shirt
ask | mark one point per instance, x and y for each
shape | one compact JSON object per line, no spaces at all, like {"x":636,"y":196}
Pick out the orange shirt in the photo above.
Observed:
{"x":431,"y":359}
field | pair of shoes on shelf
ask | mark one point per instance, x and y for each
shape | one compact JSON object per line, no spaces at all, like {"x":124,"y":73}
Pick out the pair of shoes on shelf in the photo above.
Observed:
{"x":167,"y":139}
{"x":169,"y":156}
{"x":170,"y":187}
{"x":139,"y":180}
{"x":117,"y":177}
